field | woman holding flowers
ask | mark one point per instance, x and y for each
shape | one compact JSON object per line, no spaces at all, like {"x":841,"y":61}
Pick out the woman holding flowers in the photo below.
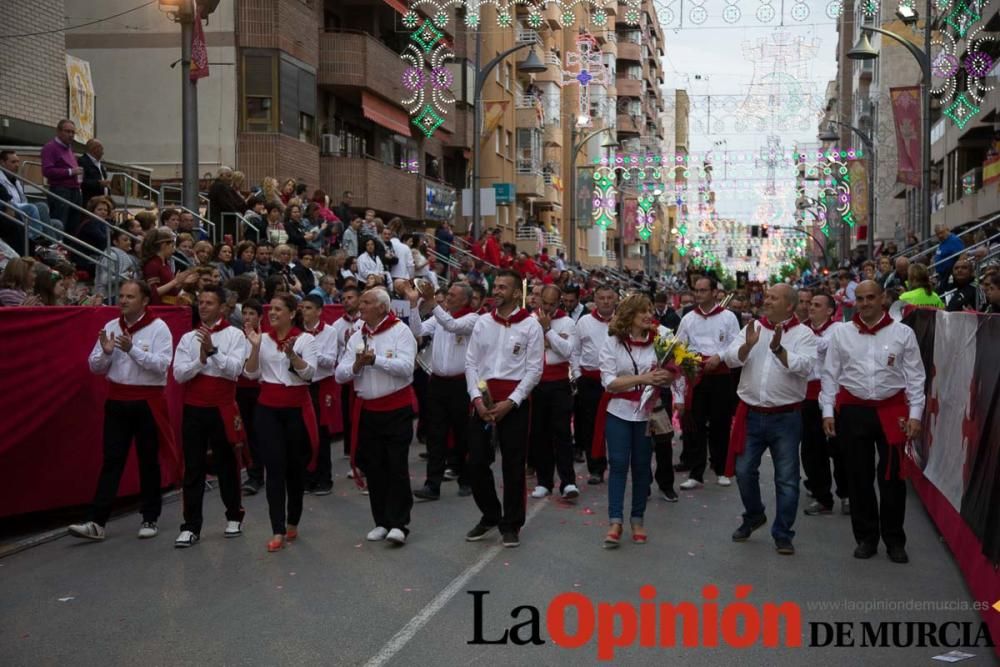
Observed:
{"x":631,"y":374}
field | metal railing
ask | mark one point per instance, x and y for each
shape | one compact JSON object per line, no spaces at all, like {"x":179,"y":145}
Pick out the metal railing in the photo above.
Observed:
{"x":129,"y":180}
{"x":955,"y":256}
{"x":432,"y":242}
{"x":527,"y":36}
{"x":212,"y":227}
{"x":174,"y":187}
{"x":906,"y":252}
{"x":240,"y":224}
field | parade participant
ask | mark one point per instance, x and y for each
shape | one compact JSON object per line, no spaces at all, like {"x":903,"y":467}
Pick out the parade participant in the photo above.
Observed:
{"x":817,"y":450}
{"x":284,"y":360}
{"x":628,"y":365}
{"x":571,"y":302}
{"x":506,"y":353}
{"x":447,"y":409}
{"x":322,"y":390}
{"x":551,"y":437}
{"x":874,"y":377}
{"x":379,"y":360}
{"x":133,"y":351}
{"x":247,"y":394}
{"x":591,"y":332}
{"x":207,"y":362}
{"x":708,"y":330}
{"x":345,"y":326}
{"x":805,"y":296}
{"x":776,"y":358}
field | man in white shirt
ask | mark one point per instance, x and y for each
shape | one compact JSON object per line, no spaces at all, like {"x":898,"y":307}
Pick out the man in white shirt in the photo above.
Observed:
{"x":345,"y":327}
{"x":207,"y":362}
{"x":708,"y":330}
{"x":321,"y":390}
{"x":134,"y":352}
{"x":379,"y":360}
{"x":817,"y":450}
{"x":571,"y":303}
{"x":552,"y":401}
{"x":777,"y":357}
{"x":873,"y":379}
{"x":447,"y":406}
{"x":506,"y":355}
{"x":591,"y":332}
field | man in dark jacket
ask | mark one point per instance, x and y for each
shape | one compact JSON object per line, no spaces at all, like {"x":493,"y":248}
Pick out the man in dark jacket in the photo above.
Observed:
{"x":343,"y":210}
{"x":95,"y":175}
{"x":222,"y":198}
{"x":965,"y":295}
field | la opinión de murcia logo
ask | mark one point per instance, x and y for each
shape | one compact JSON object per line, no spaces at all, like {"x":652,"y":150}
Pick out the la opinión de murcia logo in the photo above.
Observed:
{"x":573,"y":621}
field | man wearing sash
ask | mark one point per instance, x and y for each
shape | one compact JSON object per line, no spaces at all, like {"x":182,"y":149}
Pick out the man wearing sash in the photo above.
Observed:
{"x":322,"y":390}
{"x":344,"y":328}
{"x":591,"y":332}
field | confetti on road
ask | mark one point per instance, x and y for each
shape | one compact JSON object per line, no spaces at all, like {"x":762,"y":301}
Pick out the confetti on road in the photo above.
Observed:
{"x":67,"y":599}
{"x":587,"y":510}
{"x":690,"y":553}
{"x":358,"y":545}
{"x":291,"y":574}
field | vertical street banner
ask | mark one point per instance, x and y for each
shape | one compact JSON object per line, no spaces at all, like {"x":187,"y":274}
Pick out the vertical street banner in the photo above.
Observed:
{"x":630,"y":216}
{"x":492,"y":116}
{"x":860,"y":183}
{"x":81,"y":98}
{"x":199,"y":50}
{"x":906,"y":115}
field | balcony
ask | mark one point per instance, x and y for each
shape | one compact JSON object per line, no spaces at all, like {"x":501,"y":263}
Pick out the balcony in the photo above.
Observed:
{"x":527,"y":36}
{"x":552,"y":134}
{"x":626,"y":124}
{"x":627,"y":87}
{"x":374,"y":185}
{"x":528,"y":112}
{"x":357,"y":60}
{"x":553,"y":15}
{"x":529,"y":181}
{"x":628,"y":50}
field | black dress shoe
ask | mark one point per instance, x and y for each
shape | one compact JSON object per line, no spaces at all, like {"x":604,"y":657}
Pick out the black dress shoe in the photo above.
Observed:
{"x":865,"y":551}
{"x":681,"y":467}
{"x":742,"y":534}
{"x":594,"y":480}
{"x":464,"y":491}
{"x":427,"y":492}
{"x":784,"y":547}
{"x":898,"y":555}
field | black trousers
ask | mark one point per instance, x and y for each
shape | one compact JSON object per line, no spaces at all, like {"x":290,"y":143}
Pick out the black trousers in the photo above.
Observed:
{"x":203,"y":431}
{"x":420,"y":385}
{"x":513,"y":436}
{"x":663,"y":449}
{"x":383,"y":456}
{"x":125,"y":421}
{"x":710,"y":417}
{"x":817,"y":454}
{"x":346,"y":392}
{"x":588,"y":395}
{"x":323,"y":475}
{"x":446,"y":412}
{"x":246,"y":399}
{"x":70,"y":216}
{"x":284,"y":444}
{"x":551,"y":435}
{"x":861,"y":433}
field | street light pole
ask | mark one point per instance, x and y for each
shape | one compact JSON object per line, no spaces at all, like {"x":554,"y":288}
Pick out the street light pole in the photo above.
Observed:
{"x":577,"y":147}
{"x":189,"y":115}
{"x":869,"y":145}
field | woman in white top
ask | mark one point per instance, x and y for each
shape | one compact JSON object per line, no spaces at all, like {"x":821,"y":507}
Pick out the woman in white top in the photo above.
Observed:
{"x":284,"y":360}
{"x":628,"y":366}
{"x":369,"y":263}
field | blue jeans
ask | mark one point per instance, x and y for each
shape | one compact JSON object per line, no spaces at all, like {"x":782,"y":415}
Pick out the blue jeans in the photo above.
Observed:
{"x":628,"y":446}
{"x":40,"y":213}
{"x":781,"y":434}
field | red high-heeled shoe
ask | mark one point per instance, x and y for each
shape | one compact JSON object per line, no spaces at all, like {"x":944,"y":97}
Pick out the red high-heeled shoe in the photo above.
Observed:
{"x":276,"y":544}
{"x":291,"y":532}
{"x":638,"y":538}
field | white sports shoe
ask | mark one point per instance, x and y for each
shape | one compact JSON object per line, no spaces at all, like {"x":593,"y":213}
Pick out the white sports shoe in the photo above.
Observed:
{"x":88,"y":531}
{"x":725,"y":481}
{"x":540,"y":492}
{"x":147,"y":530}
{"x":690,"y":483}
{"x":377,"y":534}
{"x":233,"y":529}
{"x":396,"y":536}
{"x":570,"y":492}
{"x":185,"y":539}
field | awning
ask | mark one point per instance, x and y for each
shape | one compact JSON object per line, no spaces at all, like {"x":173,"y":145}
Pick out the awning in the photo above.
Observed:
{"x":379,"y":111}
{"x":398,"y":5}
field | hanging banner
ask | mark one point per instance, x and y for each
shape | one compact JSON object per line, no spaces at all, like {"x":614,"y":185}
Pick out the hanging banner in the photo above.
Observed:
{"x":81,"y":98}
{"x":493,"y":116}
{"x":858,"y":170}
{"x":630,"y":210}
{"x":199,"y":51}
{"x":906,"y":114}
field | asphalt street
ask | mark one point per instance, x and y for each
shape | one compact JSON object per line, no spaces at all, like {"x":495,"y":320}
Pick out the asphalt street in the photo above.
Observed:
{"x":332,"y":598}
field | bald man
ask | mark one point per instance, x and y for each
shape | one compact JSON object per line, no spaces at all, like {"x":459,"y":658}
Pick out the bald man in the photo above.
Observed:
{"x":777,"y":354}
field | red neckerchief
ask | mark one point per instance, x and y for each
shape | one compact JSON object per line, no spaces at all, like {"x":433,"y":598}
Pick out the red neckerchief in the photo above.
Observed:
{"x":819,"y":330}
{"x":290,"y":337}
{"x":389,"y":321}
{"x":559,"y":313}
{"x":632,"y":342}
{"x":222,"y":324}
{"x":144,"y":321}
{"x":789,"y":323}
{"x":482,"y":310}
{"x":518,"y":315}
{"x":715,"y":311}
{"x":349,"y":318}
{"x":597,"y":316}
{"x":865,"y":329}
{"x":319,"y":327}
{"x":461,"y":312}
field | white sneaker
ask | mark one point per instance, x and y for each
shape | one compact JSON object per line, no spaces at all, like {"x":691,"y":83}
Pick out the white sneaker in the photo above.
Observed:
{"x":450,"y":474}
{"x":350,"y":474}
{"x":725,"y":481}
{"x":690,"y":483}
{"x":185,"y":539}
{"x":570,"y":492}
{"x":540,"y":492}
{"x":377,"y":534}
{"x":396,"y":536}
{"x":88,"y":531}
{"x":147,"y":530}
{"x":233,"y":529}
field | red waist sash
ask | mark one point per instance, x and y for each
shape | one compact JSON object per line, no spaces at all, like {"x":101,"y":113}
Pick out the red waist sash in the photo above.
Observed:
{"x":892,"y":415}
{"x":156,"y":399}
{"x":598,"y":444}
{"x":329,"y":405}
{"x":555,"y":372}
{"x":591,"y":373}
{"x":206,"y":391}
{"x":500,"y":390}
{"x":398,"y":399}
{"x":738,"y":434}
{"x":812,"y":390}
{"x":274,"y":395}
{"x":244,"y":381}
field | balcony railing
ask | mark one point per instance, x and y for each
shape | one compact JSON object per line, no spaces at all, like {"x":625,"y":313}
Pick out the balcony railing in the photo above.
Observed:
{"x":528,"y":36}
{"x":529,"y":166}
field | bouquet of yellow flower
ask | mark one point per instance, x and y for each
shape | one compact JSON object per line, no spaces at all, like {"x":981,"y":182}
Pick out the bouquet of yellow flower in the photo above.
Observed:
{"x":674,"y":355}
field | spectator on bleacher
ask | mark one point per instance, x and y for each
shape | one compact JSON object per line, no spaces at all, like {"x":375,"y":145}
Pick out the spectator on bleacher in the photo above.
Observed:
{"x":49,"y":286}
{"x":287,"y":191}
{"x":245,"y":253}
{"x":170,"y":218}
{"x":224,"y":198}
{"x":964,"y":295}
{"x":12,"y":192}
{"x":368,"y":262}
{"x":443,"y":240}
{"x":946,"y":254}
{"x":350,"y":243}
{"x":204,"y":253}
{"x":300,"y":279}
{"x":255,"y":215}
{"x":121,"y":262}
{"x":269,"y":191}
{"x":276,"y":284}
{"x":391,"y":238}
{"x":95,"y":176}
{"x":262,"y":265}
{"x":133,"y":226}
{"x":239,"y":183}
{"x":920,"y":291}
{"x":222,"y":259}
{"x":991,"y":286}
{"x":492,"y":248}
{"x":343,"y":209}
{"x":299,"y":233}
{"x":326,"y":290}
{"x":326,"y":234}
{"x":184,"y":251}
{"x":188,"y":224}
{"x":17,"y":283}
{"x":275,"y":230}
{"x":64,"y":175}
{"x":157,"y":250}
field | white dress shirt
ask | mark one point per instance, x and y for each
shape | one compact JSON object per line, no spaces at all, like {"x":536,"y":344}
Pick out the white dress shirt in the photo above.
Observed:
{"x":501,"y":352}
{"x":822,"y":344}
{"x":146,"y":362}
{"x":367,"y":265}
{"x":765,"y":382}
{"x":708,"y":336}
{"x":227,"y":363}
{"x":405,"y":267}
{"x":449,"y":339}
{"x":395,"y":354}
{"x":327,"y":351}
{"x":590,"y":336}
{"x":344,"y":328}
{"x":273,"y":366}
{"x":560,"y":340}
{"x":874,"y":367}
{"x":616,"y":362}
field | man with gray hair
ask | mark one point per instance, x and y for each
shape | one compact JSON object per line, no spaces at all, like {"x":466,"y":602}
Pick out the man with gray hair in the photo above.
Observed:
{"x":95,"y":175}
{"x":224,"y":199}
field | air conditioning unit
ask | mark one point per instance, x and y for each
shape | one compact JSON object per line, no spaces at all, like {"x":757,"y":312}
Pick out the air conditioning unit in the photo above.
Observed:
{"x":329,"y":144}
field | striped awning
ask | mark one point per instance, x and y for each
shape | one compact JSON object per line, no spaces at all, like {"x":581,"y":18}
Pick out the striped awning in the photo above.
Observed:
{"x":385,"y":114}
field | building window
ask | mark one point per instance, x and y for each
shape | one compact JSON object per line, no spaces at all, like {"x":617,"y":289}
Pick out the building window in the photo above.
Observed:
{"x":496,"y":71}
{"x":508,"y":141}
{"x":508,"y":75}
{"x":496,"y":140}
{"x":298,"y":100}
{"x":260,"y":79}
{"x":279,"y":95}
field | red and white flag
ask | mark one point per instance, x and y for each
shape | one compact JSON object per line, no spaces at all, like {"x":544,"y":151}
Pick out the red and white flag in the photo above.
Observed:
{"x":199,"y":50}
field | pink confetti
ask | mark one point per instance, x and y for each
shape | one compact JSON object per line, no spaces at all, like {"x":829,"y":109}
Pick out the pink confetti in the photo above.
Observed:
{"x":358,"y":545}
{"x":587,"y":510}
{"x":690,"y":553}
{"x":407,"y":590}
{"x":506,"y":564}
{"x":291,"y":574}
{"x":576,"y":585}
{"x":279,"y":587}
